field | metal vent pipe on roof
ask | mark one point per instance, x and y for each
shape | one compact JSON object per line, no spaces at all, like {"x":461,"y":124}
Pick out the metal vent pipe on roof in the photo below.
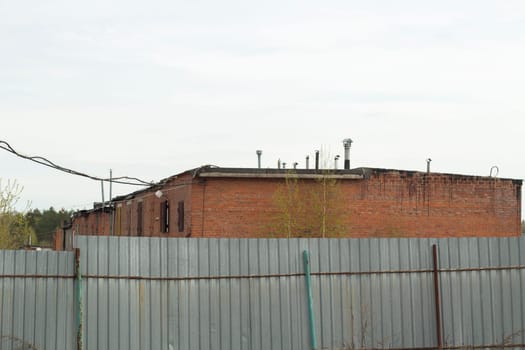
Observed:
{"x":278,"y":163}
{"x":347,"y":143}
{"x":316,"y":159}
{"x":307,"y":162}
{"x":259,"y":153}
{"x":495,"y":167}
{"x":428,"y":165}
{"x":335,"y":161}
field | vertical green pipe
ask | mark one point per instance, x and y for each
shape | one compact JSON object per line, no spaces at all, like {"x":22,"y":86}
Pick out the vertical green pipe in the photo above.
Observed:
{"x":79,"y":299}
{"x":311,"y":320}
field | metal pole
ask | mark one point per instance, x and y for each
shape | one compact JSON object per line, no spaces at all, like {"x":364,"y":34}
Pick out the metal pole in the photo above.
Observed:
{"x":79,"y":299}
{"x":110,"y":202}
{"x":259,"y":153}
{"x":311,"y":319}
{"x":103,"y":201}
{"x":437,"y":297}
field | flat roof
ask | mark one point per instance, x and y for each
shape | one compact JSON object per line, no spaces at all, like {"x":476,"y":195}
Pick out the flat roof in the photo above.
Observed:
{"x":211,"y":171}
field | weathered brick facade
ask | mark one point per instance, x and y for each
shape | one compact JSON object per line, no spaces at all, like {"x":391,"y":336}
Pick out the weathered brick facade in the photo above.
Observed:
{"x":225,"y":202}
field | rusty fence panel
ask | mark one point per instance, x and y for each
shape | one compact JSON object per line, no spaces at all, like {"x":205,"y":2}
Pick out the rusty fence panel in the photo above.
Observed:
{"x":162,"y":293}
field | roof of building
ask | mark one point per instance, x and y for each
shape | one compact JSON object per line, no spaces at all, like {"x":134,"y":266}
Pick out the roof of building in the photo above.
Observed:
{"x":211,"y":171}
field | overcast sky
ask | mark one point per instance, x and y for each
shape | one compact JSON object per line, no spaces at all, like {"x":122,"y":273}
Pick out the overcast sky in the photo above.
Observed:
{"x":153,"y":88}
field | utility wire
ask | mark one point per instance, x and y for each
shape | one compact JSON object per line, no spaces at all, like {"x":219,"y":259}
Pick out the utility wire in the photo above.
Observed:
{"x":124,"y":180}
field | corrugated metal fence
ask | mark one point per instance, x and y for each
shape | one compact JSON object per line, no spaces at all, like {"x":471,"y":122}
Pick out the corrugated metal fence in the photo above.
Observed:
{"x":36,"y":300}
{"x":161,"y":293}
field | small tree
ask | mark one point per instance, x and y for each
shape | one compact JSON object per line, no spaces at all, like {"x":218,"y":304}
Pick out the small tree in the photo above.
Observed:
{"x":15,"y":230}
{"x":288,"y":199}
{"x":309,"y":208}
{"x":327,"y":206}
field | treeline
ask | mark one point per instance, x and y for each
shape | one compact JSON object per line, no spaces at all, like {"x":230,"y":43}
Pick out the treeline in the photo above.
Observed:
{"x":45,"y":223}
{"x":19,"y":228}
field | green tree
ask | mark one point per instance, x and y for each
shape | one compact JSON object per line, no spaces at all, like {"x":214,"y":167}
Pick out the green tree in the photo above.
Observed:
{"x":46,"y":222}
{"x":15,"y":230}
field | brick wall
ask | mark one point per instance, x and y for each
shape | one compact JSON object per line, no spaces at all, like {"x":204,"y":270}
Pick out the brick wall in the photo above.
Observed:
{"x":434,"y":205}
{"x":91,"y":222}
{"x":233,"y":207}
{"x":385,"y":203}
{"x":173,"y":192}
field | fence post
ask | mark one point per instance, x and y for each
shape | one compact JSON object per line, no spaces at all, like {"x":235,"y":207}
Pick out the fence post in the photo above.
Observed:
{"x":311,"y":319}
{"x":78,"y":275}
{"x":437,"y":297}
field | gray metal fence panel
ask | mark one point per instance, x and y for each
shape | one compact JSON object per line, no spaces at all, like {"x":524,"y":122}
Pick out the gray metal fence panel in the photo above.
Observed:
{"x":160,"y":293}
{"x":351,"y":310}
{"x":36,"y":311}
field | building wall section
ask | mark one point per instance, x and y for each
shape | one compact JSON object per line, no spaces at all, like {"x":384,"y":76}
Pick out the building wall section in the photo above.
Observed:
{"x":234,"y":207}
{"x":377,"y":203}
{"x":383,"y":204}
{"x":433,"y":205}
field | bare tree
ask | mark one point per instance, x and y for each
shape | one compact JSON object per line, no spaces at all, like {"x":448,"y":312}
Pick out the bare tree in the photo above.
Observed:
{"x":15,"y":229}
{"x":309,"y":208}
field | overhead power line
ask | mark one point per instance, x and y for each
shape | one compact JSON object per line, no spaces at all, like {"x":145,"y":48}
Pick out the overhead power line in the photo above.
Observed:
{"x":124,"y":180}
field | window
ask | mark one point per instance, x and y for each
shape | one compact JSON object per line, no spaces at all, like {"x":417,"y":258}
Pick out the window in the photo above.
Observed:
{"x":140,"y":231}
{"x":118,"y":220}
{"x":165,"y":217}
{"x":128,"y":218}
{"x":180,"y":212}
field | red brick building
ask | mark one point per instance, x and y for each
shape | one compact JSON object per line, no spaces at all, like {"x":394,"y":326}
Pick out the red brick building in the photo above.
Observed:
{"x":234,"y":202}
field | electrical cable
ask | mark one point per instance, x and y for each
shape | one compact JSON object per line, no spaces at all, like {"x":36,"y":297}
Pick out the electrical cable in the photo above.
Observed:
{"x":43,"y":161}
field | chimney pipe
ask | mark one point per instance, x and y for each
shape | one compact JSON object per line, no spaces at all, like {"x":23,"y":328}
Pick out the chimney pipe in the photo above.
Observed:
{"x":316,"y":159}
{"x":279,"y":163}
{"x":428,"y":165}
{"x":284,"y":165}
{"x":347,"y":143}
{"x":307,"y":162}
{"x":295,"y":165}
{"x":335,"y":161}
{"x":259,"y":153}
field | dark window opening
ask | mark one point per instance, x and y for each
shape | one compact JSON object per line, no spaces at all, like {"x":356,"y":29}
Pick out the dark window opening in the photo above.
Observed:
{"x":118,"y":221}
{"x":165,"y":217}
{"x":140,"y":231}
{"x":128,"y":219}
{"x":180,"y":212}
